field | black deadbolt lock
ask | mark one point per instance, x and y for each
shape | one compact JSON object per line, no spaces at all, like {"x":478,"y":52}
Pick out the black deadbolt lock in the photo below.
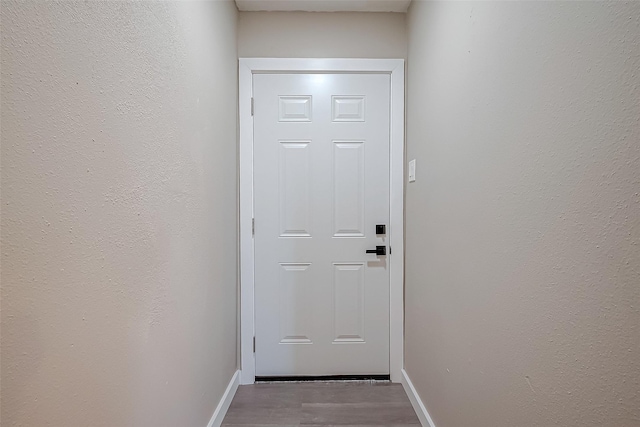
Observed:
{"x":381,"y":229}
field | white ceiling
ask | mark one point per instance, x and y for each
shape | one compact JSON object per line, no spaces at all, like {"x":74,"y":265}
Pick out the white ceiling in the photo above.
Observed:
{"x":324,"y":5}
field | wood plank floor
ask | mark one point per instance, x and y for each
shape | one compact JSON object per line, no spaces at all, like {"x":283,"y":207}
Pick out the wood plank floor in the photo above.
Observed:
{"x":354,"y":404}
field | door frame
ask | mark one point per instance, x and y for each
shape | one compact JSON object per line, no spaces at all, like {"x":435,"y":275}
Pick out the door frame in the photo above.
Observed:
{"x":246,"y":69}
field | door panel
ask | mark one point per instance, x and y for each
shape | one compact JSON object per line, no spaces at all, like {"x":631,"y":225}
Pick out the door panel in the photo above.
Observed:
{"x":294,"y":182}
{"x":321,"y":184}
{"x":348,"y":188}
{"x":348,"y":303}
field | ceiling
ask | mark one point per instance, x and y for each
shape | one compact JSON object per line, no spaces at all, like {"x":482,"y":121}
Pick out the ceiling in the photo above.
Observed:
{"x":324,"y":5}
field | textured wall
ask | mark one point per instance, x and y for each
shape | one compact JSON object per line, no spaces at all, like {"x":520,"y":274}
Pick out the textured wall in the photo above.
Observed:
{"x":523,"y":227}
{"x":322,"y":35}
{"x":118,"y":212}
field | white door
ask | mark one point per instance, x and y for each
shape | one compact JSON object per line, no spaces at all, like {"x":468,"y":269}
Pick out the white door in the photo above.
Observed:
{"x":321,"y":185}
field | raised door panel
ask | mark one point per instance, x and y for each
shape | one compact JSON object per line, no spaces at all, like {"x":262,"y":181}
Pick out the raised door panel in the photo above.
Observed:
{"x":294,"y":108}
{"x":348,"y":108}
{"x":295,"y":303}
{"x":294,"y":189}
{"x":348,"y":188}
{"x":348,"y":303}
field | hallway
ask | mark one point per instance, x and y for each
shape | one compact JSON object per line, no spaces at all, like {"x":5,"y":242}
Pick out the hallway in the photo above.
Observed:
{"x":131,"y":250}
{"x":321,"y":404}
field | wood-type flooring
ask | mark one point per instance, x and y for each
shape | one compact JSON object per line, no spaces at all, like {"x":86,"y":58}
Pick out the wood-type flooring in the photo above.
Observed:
{"x":352,"y":404}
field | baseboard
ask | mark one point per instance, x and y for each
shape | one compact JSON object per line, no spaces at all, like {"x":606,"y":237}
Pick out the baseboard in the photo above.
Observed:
{"x":225,"y":401}
{"x":416,"y":402}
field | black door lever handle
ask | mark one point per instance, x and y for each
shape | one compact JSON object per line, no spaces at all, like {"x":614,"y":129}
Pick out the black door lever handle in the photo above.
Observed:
{"x":379,"y":250}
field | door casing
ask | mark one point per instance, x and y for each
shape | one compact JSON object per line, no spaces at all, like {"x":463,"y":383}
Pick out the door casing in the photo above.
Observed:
{"x":246,"y":69}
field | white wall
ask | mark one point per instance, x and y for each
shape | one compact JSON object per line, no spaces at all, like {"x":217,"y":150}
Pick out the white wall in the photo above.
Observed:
{"x":523,"y":227}
{"x":118,"y":212}
{"x":321,"y":35}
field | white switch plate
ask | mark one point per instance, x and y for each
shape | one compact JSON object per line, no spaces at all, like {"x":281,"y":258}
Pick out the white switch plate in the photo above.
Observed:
{"x":412,"y":170}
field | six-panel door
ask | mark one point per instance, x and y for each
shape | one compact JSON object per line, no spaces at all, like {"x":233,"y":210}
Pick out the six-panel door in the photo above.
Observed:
{"x":321,"y":171}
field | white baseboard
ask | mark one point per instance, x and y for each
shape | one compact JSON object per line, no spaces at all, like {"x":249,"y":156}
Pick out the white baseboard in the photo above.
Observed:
{"x":225,"y":401}
{"x":416,"y":402}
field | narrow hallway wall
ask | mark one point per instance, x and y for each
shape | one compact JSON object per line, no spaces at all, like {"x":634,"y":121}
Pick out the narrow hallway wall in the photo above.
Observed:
{"x":523,"y":226}
{"x":118,"y":212}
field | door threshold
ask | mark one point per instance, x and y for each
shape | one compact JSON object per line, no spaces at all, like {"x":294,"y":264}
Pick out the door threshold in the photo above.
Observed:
{"x":324,"y":378}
